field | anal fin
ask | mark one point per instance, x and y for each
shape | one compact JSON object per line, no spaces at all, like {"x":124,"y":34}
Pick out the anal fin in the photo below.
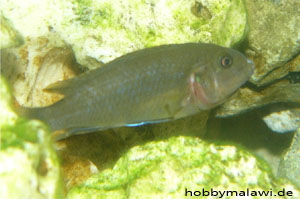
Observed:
{"x":59,"y":135}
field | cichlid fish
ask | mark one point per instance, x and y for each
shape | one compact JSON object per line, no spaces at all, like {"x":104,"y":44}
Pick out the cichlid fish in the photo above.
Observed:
{"x":147,"y":86}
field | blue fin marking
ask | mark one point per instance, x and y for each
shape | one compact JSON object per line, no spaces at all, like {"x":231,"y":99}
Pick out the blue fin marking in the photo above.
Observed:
{"x":147,"y":122}
{"x":136,"y":124}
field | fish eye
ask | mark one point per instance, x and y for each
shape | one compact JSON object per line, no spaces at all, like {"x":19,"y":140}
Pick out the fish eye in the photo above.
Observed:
{"x":226,"y":61}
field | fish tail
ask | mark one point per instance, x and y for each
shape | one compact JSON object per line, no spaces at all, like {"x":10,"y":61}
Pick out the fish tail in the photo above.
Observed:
{"x":30,"y":113}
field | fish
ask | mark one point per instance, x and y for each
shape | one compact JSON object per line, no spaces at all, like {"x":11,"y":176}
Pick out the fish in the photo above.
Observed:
{"x":151,"y":85}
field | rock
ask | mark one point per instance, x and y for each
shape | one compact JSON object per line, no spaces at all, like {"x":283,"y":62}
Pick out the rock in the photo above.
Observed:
{"x":289,"y":71}
{"x":82,"y":153}
{"x":273,"y":44}
{"x":105,"y":30}
{"x":164,"y":169}
{"x":250,"y":131}
{"x":274,"y":37}
{"x":29,"y":166}
{"x":33,"y":66}
{"x":283,"y":121}
{"x":289,"y":166}
{"x":9,"y":36}
{"x":246,"y":99}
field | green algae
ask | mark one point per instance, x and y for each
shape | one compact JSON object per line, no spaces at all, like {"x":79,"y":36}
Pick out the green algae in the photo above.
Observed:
{"x":104,"y":30}
{"x":29,"y":167}
{"x":164,"y":169}
{"x":273,"y":37}
{"x":131,"y":25}
{"x":289,"y":166}
{"x":9,"y":36}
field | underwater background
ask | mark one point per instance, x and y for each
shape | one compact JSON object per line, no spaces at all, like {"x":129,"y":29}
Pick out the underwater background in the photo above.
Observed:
{"x":251,"y":141}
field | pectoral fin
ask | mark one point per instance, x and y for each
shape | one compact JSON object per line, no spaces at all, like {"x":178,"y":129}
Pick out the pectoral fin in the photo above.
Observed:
{"x":172,"y":112}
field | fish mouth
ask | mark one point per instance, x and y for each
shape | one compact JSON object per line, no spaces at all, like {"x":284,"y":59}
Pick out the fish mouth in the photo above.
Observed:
{"x":251,"y":67}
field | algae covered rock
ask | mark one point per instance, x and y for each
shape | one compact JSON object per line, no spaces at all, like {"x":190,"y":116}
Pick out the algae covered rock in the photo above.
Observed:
{"x":289,"y":166}
{"x":9,"y":36}
{"x":87,"y":154}
{"x":274,"y":37}
{"x":273,"y":44}
{"x":246,"y":98}
{"x":283,"y":121}
{"x":33,"y":66}
{"x":104,"y":30}
{"x":29,"y":167}
{"x":168,"y":169}
{"x":122,"y":26}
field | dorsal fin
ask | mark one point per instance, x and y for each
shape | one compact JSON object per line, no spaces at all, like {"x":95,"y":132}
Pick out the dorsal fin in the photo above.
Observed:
{"x":64,"y":87}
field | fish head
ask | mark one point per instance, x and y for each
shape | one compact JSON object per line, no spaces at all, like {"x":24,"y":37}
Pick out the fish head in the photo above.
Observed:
{"x":219,"y":76}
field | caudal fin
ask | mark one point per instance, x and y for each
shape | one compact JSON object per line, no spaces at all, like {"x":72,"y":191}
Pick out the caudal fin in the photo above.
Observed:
{"x":30,"y":113}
